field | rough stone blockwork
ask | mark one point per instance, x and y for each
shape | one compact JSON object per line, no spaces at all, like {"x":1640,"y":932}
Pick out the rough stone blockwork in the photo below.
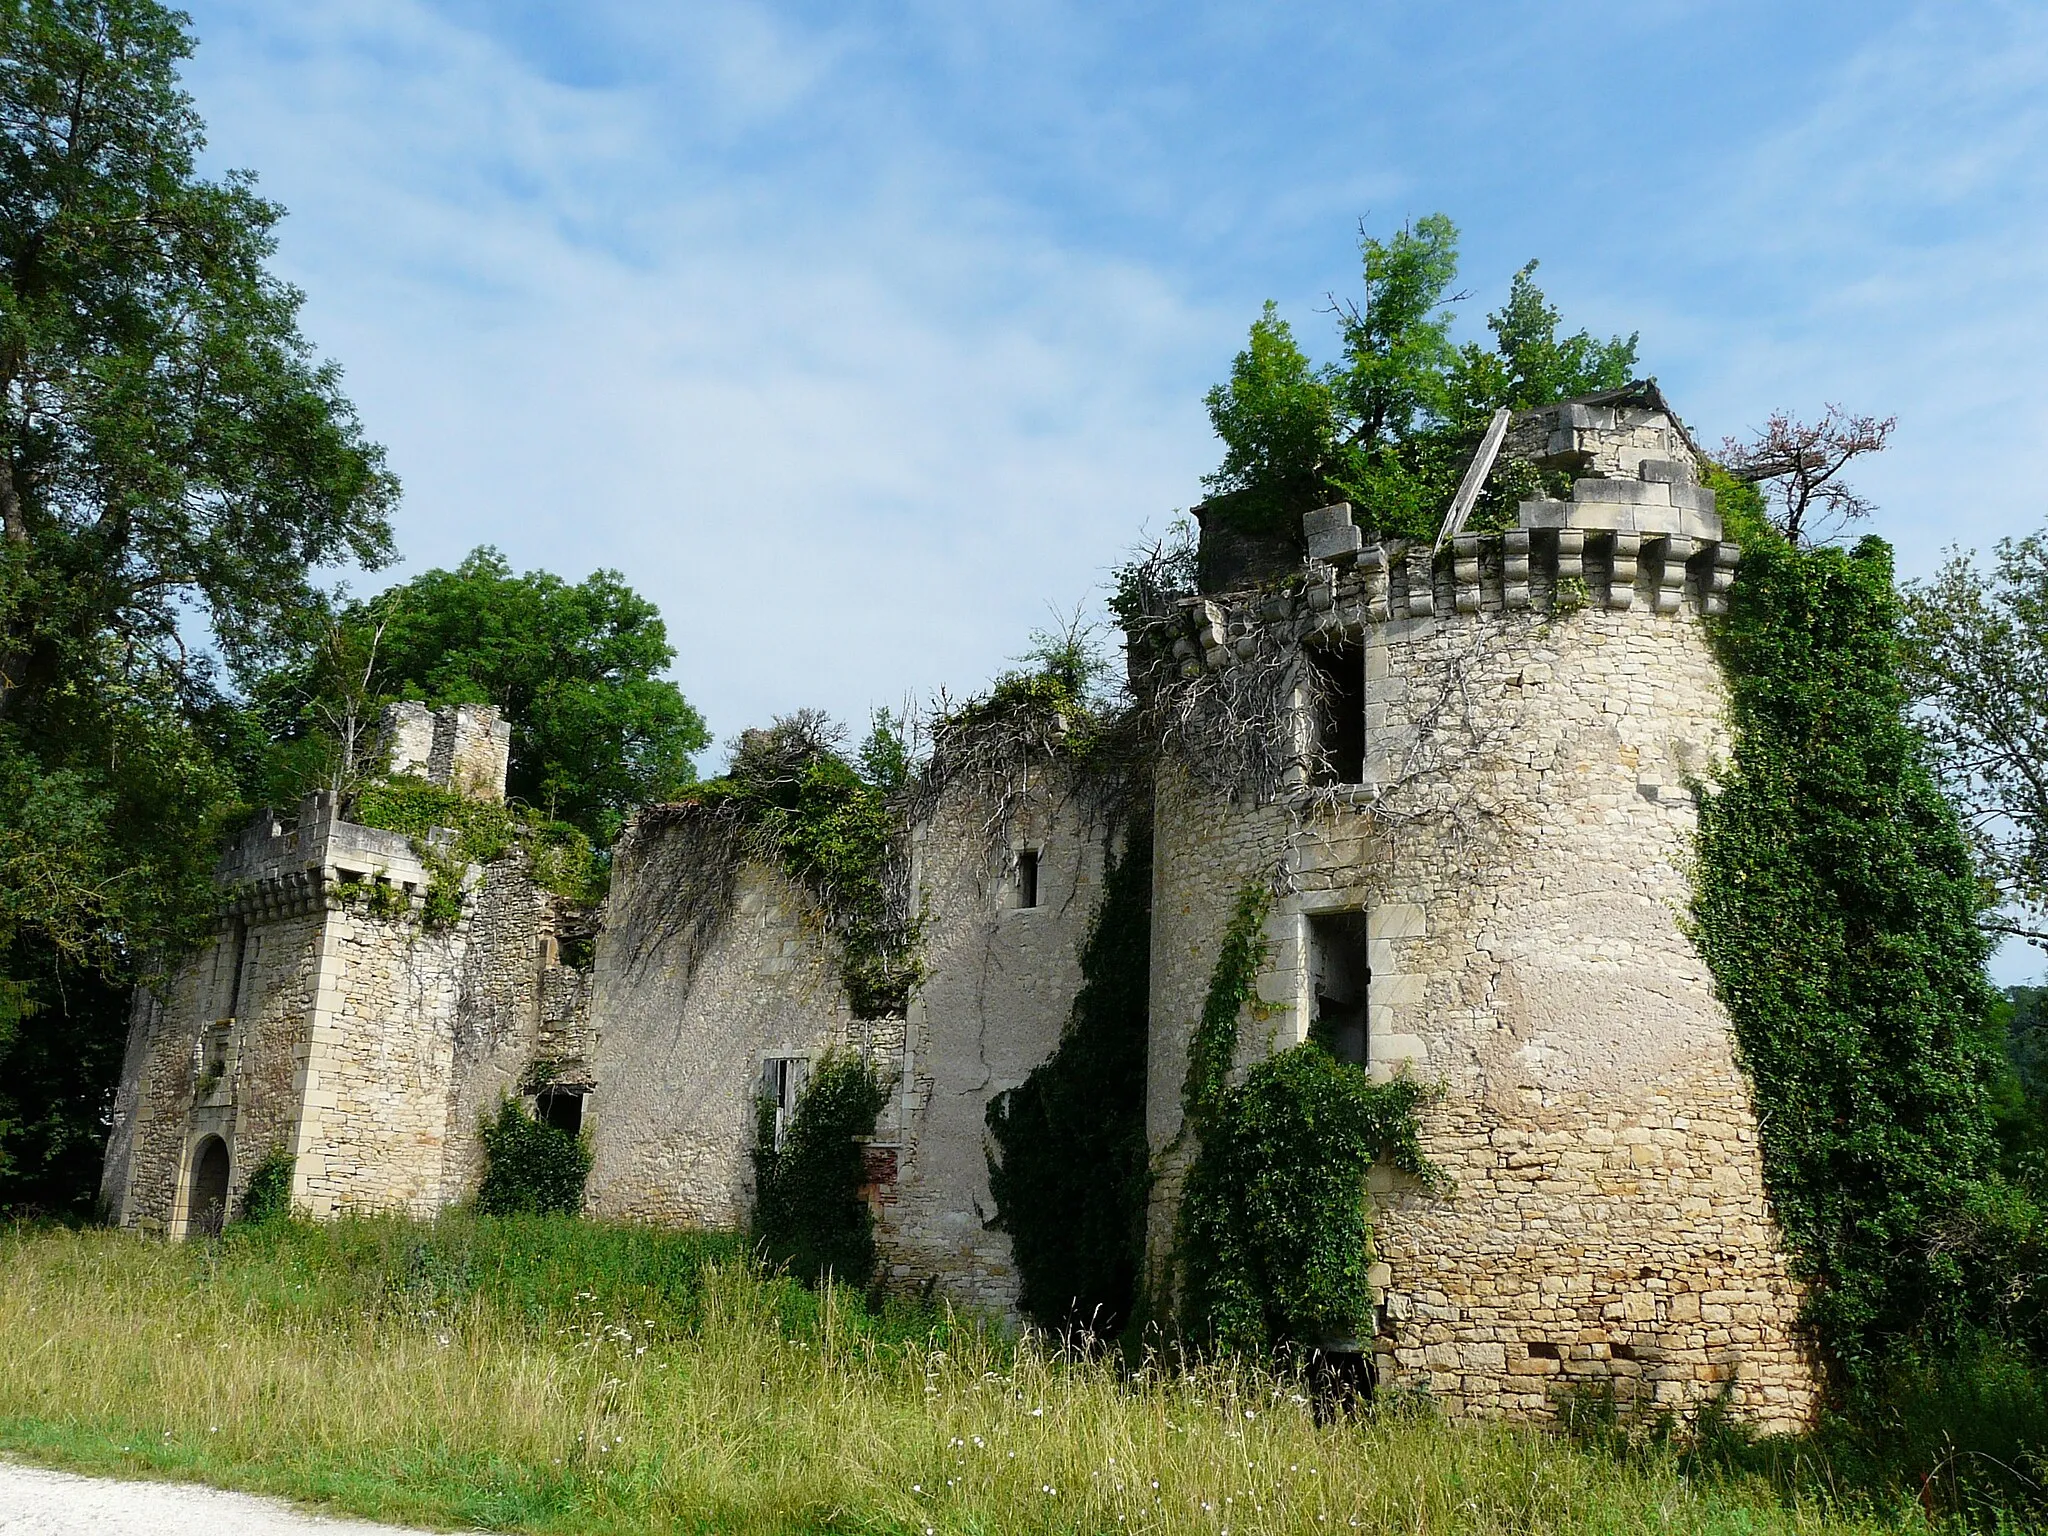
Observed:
{"x":1537,"y":709}
{"x":326,"y":1022}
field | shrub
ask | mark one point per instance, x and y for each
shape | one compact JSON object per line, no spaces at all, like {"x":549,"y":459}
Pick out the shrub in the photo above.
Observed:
{"x":1275,"y":1227}
{"x":268,"y":1194}
{"x":530,"y":1167}
{"x":808,"y":1212}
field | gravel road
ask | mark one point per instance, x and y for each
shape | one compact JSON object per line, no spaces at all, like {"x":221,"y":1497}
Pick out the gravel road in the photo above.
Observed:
{"x":38,"y":1503}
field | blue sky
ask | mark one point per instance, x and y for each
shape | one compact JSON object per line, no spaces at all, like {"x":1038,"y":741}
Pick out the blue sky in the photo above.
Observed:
{"x":856,"y":335}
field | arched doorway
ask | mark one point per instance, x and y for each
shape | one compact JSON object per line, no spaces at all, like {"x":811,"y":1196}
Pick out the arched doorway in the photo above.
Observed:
{"x":206,"y":1209}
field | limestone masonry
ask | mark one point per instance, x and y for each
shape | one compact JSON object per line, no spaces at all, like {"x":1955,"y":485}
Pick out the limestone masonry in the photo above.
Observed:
{"x":1477,"y":830}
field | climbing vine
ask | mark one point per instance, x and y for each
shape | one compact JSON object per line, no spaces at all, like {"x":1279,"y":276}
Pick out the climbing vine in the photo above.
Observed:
{"x":834,"y":829}
{"x":1835,"y":902}
{"x":1276,"y":1235}
{"x":1067,"y":1166}
{"x":808,"y":1211}
{"x":1233,"y":988}
{"x":560,"y":856}
{"x":1275,"y":1230}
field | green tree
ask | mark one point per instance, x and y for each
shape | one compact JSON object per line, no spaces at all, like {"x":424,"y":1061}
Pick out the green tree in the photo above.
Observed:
{"x":1977,"y":658}
{"x":1392,"y":425}
{"x":1278,"y":418}
{"x":175,"y":464}
{"x":595,"y":732}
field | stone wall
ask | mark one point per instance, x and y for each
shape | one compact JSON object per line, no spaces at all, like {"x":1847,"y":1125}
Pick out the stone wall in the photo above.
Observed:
{"x":463,"y":747}
{"x":710,"y":962}
{"x":171,"y":1095}
{"x":1519,"y":851}
{"x":1002,"y":982}
{"x":497,"y":1023}
{"x":325,"y":1021}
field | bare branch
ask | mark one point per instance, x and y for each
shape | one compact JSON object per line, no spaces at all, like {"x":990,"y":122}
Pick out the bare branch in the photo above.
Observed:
{"x":1801,"y":462}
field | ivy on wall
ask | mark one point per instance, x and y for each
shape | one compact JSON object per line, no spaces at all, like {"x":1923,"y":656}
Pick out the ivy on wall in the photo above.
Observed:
{"x":560,"y":856}
{"x":808,"y":1211}
{"x":1067,"y":1167}
{"x":1834,"y":903}
{"x":530,"y":1167}
{"x":834,"y":830}
{"x":1275,"y":1229}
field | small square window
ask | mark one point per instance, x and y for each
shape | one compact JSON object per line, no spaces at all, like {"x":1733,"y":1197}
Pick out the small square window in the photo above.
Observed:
{"x":561,"y":1108}
{"x":1027,"y":877}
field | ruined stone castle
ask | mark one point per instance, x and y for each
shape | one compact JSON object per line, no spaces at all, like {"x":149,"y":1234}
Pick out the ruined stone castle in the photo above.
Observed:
{"x":1473,"y":802}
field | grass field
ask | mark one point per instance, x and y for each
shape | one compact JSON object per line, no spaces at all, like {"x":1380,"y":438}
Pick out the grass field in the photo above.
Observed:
{"x":552,"y":1375}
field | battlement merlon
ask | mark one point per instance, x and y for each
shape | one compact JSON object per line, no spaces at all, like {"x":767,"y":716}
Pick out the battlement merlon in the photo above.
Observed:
{"x":463,"y":747}
{"x":274,"y":869}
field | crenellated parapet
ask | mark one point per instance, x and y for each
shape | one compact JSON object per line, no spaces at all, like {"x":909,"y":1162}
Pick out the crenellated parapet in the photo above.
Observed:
{"x":1638,"y":532}
{"x":275,"y":870}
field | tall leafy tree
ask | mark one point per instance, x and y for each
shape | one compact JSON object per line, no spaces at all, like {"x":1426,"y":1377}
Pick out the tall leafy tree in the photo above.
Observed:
{"x":175,"y":463}
{"x":1391,"y":425}
{"x":595,"y":730}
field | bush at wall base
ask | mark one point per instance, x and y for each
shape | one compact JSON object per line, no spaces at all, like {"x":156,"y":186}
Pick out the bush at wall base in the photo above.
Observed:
{"x":530,"y":1167}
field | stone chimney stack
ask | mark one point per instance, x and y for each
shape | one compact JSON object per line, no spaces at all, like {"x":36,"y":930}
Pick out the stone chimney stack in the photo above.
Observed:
{"x":463,"y":747}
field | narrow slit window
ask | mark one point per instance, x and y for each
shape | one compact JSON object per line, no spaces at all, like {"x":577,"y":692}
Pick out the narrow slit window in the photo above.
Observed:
{"x":1027,"y":877}
{"x":1338,"y":755}
{"x":241,"y":950}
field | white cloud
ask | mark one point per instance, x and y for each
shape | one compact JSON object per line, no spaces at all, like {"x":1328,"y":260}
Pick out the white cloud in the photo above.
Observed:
{"x":850,"y":448}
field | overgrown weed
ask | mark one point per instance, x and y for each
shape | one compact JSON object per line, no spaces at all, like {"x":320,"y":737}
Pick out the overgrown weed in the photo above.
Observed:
{"x":552,"y":1375}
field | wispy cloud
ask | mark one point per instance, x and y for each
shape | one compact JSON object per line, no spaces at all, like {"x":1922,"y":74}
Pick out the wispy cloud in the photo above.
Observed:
{"x":856,"y":334}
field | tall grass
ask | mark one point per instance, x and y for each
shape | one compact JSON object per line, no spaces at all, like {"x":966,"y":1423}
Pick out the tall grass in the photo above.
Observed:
{"x":553,"y":1375}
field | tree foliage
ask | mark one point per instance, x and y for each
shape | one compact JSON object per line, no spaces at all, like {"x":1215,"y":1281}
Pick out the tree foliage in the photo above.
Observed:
{"x":1392,"y":425}
{"x":1800,"y":463}
{"x":174,"y":464}
{"x":1837,"y":907}
{"x":574,"y":666}
{"x":1977,"y":659}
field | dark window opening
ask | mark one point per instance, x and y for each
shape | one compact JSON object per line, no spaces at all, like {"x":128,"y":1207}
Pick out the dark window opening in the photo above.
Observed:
{"x":1339,"y":979}
{"x":206,"y":1208}
{"x":1622,"y":1351}
{"x":561,"y":1108}
{"x":1542,"y":1351}
{"x":782,"y":1084}
{"x":1339,"y":748}
{"x":1027,"y":877}
{"x":241,"y":943}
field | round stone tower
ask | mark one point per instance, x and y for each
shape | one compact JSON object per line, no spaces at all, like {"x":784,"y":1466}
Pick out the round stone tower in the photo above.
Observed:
{"x":1478,"y":824}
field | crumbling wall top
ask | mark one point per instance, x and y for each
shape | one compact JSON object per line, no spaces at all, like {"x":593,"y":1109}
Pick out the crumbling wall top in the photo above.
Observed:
{"x":463,"y":747}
